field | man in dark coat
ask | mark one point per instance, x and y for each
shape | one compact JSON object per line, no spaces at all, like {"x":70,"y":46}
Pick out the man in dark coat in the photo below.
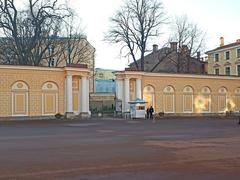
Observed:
{"x":151,"y":110}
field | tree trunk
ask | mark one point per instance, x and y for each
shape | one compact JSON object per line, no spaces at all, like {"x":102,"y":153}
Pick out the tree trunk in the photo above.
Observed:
{"x":142,"y":63}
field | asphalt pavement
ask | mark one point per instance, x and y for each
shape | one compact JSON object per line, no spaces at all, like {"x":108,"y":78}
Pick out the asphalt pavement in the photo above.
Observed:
{"x":108,"y":148}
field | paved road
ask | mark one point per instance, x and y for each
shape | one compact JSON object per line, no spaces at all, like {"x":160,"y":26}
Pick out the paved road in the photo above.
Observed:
{"x":191,"y":148}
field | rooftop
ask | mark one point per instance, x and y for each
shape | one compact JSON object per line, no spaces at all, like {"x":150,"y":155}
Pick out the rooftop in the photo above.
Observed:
{"x":237,"y":43}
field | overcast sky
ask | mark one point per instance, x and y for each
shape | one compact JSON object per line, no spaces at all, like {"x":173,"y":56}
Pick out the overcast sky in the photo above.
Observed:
{"x":216,"y":17}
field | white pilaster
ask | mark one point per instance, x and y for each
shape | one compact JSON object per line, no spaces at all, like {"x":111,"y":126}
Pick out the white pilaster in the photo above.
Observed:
{"x":69,"y":98}
{"x":139,"y":88}
{"x":80,"y":97}
{"x":119,"y":89}
{"x":126,"y":95}
{"x":117,"y":86}
{"x":85,"y":95}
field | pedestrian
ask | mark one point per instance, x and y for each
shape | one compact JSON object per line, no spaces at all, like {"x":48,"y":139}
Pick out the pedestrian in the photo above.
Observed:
{"x":147,"y":113}
{"x":151,"y":110}
{"x":239,"y":117}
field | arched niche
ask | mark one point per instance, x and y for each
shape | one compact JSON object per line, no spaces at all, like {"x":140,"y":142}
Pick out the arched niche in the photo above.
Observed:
{"x":149,"y":95}
{"x":169,"y":99}
{"x":222,"y":99}
{"x":188,"y":99}
{"x":49,"y":98}
{"x":20,"y":98}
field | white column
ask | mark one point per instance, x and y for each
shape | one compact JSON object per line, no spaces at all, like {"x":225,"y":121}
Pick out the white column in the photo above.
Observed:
{"x":139,"y":88}
{"x":126,"y":95}
{"x":116,"y":89}
{"x":85,"y":95}
{"x":119,"y":89}
{"x":69,"y":98}
{"x":80,"y":96}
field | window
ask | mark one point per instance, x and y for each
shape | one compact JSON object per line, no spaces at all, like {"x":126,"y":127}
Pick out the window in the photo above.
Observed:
{"x":52,"y":63}
{"x":227,"y":55}
{"x":216,"y":57}
{"x":101,"y":75}
{"x":238,"y":70}
{"x":238,"y":53}
{"x":227,"y":71}
{"x":216,"y":71}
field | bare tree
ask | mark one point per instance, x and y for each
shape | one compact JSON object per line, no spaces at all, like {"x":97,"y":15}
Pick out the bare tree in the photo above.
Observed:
{"x":72,"y":46}
{"x":133,"y":25}
{"x":30,"y":31}
{"x":190,"y":39}
{"x":70,"y":50}
{"x":7,"y":54}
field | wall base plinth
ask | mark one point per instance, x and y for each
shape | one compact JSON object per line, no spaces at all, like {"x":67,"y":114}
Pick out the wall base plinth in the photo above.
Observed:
{"x":69,"y":115}
{"x":85,"y":115}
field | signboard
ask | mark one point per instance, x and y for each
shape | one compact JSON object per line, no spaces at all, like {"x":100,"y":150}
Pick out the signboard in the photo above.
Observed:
{"x":118,"y":106}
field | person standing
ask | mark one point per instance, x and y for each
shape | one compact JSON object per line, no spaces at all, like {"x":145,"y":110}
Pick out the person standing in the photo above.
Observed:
{"x":239,"y":117}
{"x":147,"y":113}
{"x":151,"y":111}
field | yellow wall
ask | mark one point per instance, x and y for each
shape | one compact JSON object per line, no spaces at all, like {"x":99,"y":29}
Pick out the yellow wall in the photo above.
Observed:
{"x":39,"y":101}
{"x":205,"y":92}
{"x":197,"y":83}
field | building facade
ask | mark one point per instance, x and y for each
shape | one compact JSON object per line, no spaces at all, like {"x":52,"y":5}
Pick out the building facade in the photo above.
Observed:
{"x":179,"y":94}
{"x":225,"y":59}
{"x":43,"y":91}
{"x":105,"y":86}
{"x":172,"y":60}
{"x":104,"y":74}
{"x":105,"y":81}
{"x":103,"y":99}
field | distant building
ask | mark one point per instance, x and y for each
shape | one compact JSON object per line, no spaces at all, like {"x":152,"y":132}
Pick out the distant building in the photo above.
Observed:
{"x":225,"y":59}
{"x":105,"y":81}
{"x":57,"y":52}
{"x":104,"y":74}
{"x":172,"y":60}
{"x":103,"y":98}
{"x":105,"y":86}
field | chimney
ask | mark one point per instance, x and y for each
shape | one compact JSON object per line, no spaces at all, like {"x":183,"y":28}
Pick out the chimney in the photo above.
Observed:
{"x":221,"y":41}
{"x":155,"y":48}
{"x":185,"y":50}
{"x":198,"y":56}
{"x":173,"y":46}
